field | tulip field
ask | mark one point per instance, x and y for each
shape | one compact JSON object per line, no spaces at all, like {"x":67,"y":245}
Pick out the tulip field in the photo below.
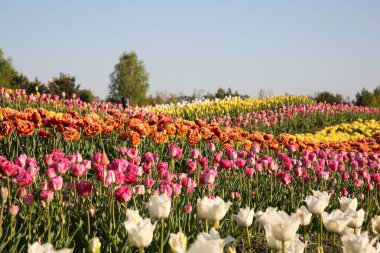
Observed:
{"x":275,"y":174}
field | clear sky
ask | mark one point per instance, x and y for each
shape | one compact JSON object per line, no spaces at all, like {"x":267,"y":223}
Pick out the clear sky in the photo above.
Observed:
{"x":297,"y":47}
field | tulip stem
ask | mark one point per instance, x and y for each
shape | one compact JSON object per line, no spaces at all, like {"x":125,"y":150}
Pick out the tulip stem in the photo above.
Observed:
{"x":162,"y":235}
{"x":206,"y":225}
{"x":1,"y":219}
{"x":283,"y":246}
{"x":248,"y":239}
{"x":216,"y":224}
{"x":320,"y":234}
{"x":88,"y":219}
{"x":141,"y":250}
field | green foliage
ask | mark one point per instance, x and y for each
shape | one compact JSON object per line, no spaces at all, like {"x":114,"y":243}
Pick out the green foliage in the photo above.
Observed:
{"x":330,"y":98}
{"x":222,"y":93}
{"x":367,"y":98}
{"x":7,"y":72}
{"x":22,"y":82}
{"x":129,"y":79}
{"x":162,"y":98}
{"x":64,"y":83}
{"x":67,"y":84}
{"x":86,"y":95}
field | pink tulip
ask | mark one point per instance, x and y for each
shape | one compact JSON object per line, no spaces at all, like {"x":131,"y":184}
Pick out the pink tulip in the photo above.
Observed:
{"x":167,"y":189}
{"x":132,"y":153}
{"x":231,"y":153}
{"x":50,"y":173}
{"x":211,"y":147}
{"x":47,"y":195}
{"x":249,"y":172}
{"x":24,"y":179}
{"x":21,"y":160}
{"x":175,"y":151}
{"x":358,"y":183}
{"x":84,"y":188}
{"x":176,"y":189}
{"x":29,"y":199}
{"x":188,"y":209}
{"x":149,"y":182}
{"x":226,"y":164}
{"x":123,"y":194}
{"x":203,"y":161}
{"x":256,"y":148}
{"x":13,"y":210}
{"x":77,"y":170}
{"x":191,"y":166}
{"x":240,"y":163}
{"x":110,"y":178}
{"x":56,"y":183}
{"x":195,"y":154}
{"x":344,"y":191}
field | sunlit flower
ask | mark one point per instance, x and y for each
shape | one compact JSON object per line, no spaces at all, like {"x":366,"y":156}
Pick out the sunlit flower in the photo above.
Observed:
{"x":336,"y":221}
{"x":213,"y":209}
{"x":178,"y":242}
{"x":317,"y":202}
{"x":245,"y":217}
{"x":209,"y":243}
{"x":159,"y":206}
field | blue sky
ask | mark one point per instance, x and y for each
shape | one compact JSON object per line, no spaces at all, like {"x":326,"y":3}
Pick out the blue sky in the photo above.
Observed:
{"x":298,"y":47}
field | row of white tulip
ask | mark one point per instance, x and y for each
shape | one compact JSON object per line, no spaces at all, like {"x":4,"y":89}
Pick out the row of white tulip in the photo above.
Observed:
{"x":280,"y":227}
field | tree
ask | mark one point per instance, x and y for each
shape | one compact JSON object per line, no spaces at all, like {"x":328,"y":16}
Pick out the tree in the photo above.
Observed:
{"x":129,"y":79}
{"x":64,"y":83}
{"x":367,"y":98}
{"x":7,"y":72}
{"x":86,"y":95}
{"x":330,"y":98}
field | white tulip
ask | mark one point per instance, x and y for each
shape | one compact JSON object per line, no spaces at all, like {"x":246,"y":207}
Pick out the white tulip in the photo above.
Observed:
{"x":133,"y":217}
{"x":262,"y":217}
{"x":213,"y":209}
{"x":94,"y":246}
{"x":358,"y":244}
{"x":159,"y":206}
{"x":336,"y":221}
{"x":357,"y":218}
{"x":245,"y":217}
{"x":317,"y":202}
{"x":45,"y":248}
{"x":375,"y":222}
{"x":304,"y":215}
{"x":209,"y":243}
{"x":283,"y":226}
{"x":178,"y":242}
{"x":140,"y":231}
{"x":348,"y":203}
{"x":273,"y":243}
{"x":295,"y":246}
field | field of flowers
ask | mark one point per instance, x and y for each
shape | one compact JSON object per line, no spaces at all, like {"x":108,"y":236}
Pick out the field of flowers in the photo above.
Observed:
{"x":277,"y":174}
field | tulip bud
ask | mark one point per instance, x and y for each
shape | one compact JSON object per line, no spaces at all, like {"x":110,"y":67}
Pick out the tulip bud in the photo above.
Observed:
{"x":344,"y":191}
{"x":231,"y":250}
{"x":4,"y":194}
{"x":29,"y":199}
{"x":178,"y":242}
{"x":13,"y":210}
{"x":92,"y":211}
{"x":188,"y":209}
{"x":94,"y":245}
{"x":211,"y":147}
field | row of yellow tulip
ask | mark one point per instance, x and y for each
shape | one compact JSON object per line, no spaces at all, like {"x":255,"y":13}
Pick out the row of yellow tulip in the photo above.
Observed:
{"x":228,"y":106}
{"x":356,"y":130}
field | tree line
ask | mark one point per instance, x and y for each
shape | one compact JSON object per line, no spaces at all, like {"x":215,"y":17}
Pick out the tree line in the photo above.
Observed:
{"x":130,"y":81}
